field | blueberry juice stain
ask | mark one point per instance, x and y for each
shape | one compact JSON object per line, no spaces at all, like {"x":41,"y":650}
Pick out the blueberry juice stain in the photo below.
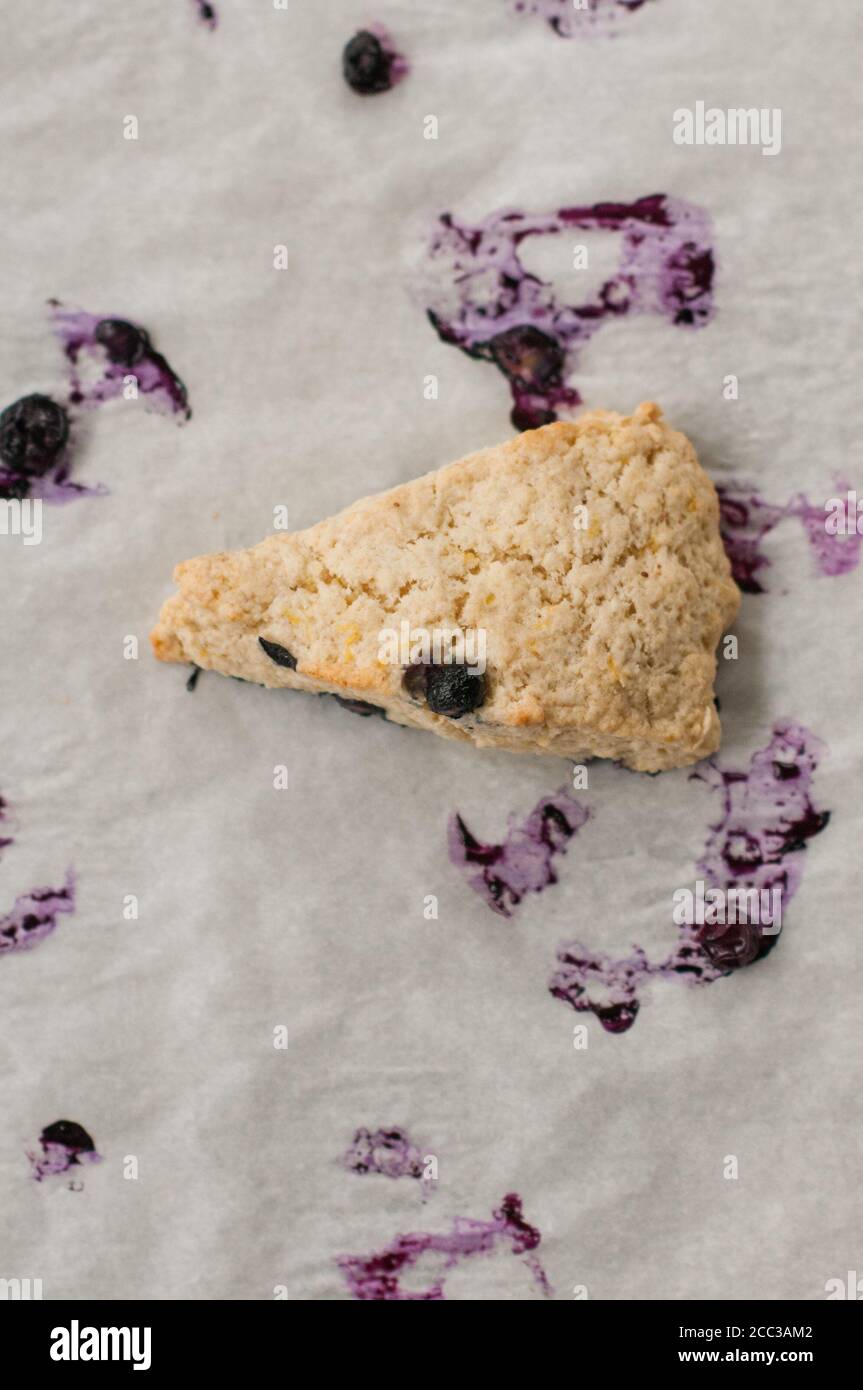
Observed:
{"x":378,"y":1277}
{"x":5,"y":840}
{"x":523,"y":862}
{"x":34,"y":915}
{"x":480,"y":298}
{"x":746,"y":519}
{"x":389,"y":1152}
{"x":759,"y":842}
{"x":63,"y":1147}
{"x":106,"y":358}
{"x":567,"y":21}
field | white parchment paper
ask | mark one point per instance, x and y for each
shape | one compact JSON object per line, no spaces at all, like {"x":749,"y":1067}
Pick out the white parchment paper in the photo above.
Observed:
{"x":304,"y":907}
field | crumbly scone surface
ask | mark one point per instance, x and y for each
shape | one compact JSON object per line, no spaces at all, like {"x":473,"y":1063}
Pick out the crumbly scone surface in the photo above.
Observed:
{"x":600,"y":639}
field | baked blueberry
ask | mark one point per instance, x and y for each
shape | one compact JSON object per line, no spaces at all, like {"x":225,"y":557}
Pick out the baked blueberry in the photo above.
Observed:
{"x":124,"y":342}
{"x":360,"y":707}
{"x":69,"y":1134}
{"x":732,"y":945}
{"x":448,"y":689}
{"x":527,"y":355}
{"x":529,"y":417}
{"x":33,"y":432}
{"x":366,"y":64}
{"x":280,"y":655}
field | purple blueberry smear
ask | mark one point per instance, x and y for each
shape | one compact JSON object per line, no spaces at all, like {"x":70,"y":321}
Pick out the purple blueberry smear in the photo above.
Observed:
{"x":5,"y":840}
{"x":746,"y":519}
{"x":388,"y":1151}
{"x":377,"y":1277}
{"x":65,"y":1145}
{"x":479,"y":297}
{"x":447,"y":688}
{"x":280,"y":655}
{"x":34,"y":915}
{"x":34,"y":431}
{"x":523,"y":861}
{"x":370,"y":62}
{"x":759,"y":842}
{"x":566,"y":21}
{"x":102,"y":352}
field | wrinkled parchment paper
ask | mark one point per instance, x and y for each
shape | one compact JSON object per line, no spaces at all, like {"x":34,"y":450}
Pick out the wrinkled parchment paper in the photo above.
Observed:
{"x":303,"y":908}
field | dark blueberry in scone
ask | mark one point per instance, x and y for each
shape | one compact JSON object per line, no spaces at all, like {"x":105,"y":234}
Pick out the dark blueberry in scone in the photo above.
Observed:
{"x":280,"y":655}
{"x":33,"y":432}
{"x":124,"y":342}
{"x":360,"y":707}
{"x":366,"y":65}
{"x":69,"y":1134}
{"x":450,"y":690}
{"x":528,"y":356}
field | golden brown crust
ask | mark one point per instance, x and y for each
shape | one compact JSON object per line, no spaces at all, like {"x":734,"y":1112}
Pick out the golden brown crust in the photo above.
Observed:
{"x":588,"y":551}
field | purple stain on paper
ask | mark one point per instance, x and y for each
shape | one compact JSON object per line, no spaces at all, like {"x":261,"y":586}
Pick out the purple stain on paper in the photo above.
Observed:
{"x":106,"y":358}
{"x":106,"y":355}
{"x":34,"y":915}
{"x":746,"y":520}
{"x":568,"y":20}
{"x":379,"y":1277}
{"x":65,"y":1145}
{"x":759,"y":842}
{"x":390,"y":1152}
{"x":523,"y":861}
{"x":480,"y":298}
{"x":5,"y":840}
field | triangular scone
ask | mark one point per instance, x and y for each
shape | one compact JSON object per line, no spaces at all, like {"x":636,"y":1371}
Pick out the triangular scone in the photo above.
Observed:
{"x":588,"y":552}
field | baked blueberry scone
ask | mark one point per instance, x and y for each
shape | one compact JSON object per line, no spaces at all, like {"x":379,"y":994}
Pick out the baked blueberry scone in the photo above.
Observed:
{"x":586,"y":553}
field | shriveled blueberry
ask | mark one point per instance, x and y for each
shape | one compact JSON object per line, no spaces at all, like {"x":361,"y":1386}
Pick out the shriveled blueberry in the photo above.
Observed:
{"x":33,"y":431}
{"x":530,"y":417}
{"x":366,"y":64}
{"x":13,"y":489}
{"x":360,"y":707}
{"x":617,"y":1018}
{"x":734,"y":944}
{"x":124,"y":342}
{"x":280,"y":655}
{"x":69,"y":1134}
{"x":450,"y":690}
{"x":527,"y":355}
